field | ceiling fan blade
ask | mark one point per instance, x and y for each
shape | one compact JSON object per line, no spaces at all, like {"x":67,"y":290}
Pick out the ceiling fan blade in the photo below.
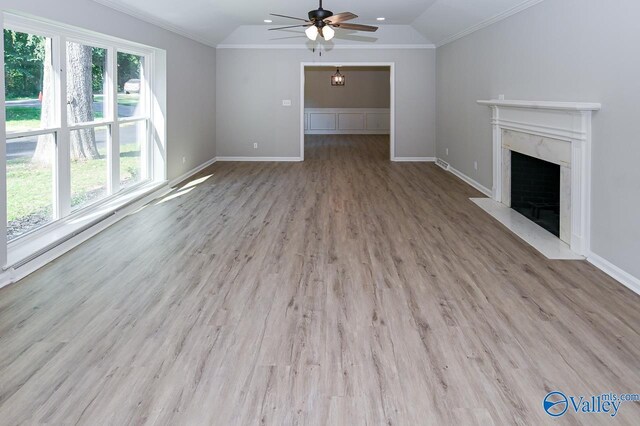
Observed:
{"x":340,"y":17}
{"x":357,"y":27}
{"x":290,"y":26}
{"x":289,"y":17}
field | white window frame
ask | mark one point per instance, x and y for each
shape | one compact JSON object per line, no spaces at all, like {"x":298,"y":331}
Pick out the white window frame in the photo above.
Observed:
{"x":153,"y":154}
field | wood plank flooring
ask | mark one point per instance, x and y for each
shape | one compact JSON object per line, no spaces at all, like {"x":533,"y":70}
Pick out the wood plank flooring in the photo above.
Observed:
{"x":345,"y":290}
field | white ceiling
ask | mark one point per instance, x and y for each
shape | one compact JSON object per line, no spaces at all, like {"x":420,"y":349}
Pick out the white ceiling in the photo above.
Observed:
{"x":212,"y":21}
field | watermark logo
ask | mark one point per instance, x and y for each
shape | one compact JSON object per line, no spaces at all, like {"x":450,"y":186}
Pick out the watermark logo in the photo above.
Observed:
{"x":555,"y":404}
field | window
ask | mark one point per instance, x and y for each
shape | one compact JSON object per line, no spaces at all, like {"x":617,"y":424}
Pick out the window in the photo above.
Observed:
{"x":78,"y":123}
{"x":30,"y":147}
{"x":132,"y":114}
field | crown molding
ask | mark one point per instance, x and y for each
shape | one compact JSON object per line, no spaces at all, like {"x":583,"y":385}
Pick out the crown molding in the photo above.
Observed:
{"x":487,"y":22}
{"x":154,"y":21}
{"x":336,"y":47}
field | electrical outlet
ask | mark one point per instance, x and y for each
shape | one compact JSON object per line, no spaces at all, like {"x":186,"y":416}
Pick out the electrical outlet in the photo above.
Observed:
{"x":475,"y":165}
{"x":184,"y":160}
{"x":447,"y":151}
{"x":286,"y":102}
{"x":255,"y":146}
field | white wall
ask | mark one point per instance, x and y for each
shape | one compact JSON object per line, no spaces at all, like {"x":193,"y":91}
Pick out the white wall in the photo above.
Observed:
{"x":366,"y":87}
{"x":558,"y":50}
{"x":253,"y":82}
{"x":190,"y":72}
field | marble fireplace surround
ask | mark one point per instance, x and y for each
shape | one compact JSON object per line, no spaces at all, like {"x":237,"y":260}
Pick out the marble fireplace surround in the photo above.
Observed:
{"x":557,"y":132}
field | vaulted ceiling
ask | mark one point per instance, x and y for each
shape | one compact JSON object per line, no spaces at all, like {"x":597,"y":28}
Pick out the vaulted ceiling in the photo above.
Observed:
{"x":212,"y":21}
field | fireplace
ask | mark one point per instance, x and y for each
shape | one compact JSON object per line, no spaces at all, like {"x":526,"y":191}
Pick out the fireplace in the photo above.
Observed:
{"x":542,"y":170}
{"x":535,"y":191}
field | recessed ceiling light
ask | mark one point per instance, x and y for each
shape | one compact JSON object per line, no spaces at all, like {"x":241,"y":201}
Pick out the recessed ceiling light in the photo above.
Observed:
{"x":380,"y":18}
{"x":268,"y":21}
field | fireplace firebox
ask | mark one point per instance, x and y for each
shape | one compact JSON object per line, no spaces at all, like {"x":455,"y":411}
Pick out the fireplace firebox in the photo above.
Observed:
{"x":535,"y":190}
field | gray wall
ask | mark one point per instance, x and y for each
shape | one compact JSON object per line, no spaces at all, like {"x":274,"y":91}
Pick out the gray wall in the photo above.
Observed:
{"x":190,"y":69}
{"x":364,"y":88}
{"x":253,"y":82}
{"x":558,"y":50}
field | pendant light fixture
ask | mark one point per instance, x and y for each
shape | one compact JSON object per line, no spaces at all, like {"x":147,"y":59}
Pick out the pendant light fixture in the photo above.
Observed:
{"x":338,"y":79}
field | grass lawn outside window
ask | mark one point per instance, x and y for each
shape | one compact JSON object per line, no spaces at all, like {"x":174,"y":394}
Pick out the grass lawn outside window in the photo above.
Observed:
{"x":30,"y":187}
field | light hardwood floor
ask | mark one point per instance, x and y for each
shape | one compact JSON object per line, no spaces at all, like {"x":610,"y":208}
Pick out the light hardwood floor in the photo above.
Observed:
{"x":342,"y":290}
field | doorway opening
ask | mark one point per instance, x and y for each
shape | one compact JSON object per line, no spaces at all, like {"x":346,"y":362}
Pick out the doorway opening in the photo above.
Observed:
{"x":359,"y":110}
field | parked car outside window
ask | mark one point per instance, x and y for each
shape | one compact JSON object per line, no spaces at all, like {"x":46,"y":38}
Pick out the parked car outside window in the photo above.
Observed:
{"x":132,"y":86}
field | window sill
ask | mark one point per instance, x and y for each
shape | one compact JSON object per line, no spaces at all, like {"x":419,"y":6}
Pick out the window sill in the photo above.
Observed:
{"x":33,"y":245}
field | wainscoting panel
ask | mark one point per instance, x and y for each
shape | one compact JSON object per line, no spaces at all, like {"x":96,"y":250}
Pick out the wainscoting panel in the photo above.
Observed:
{"x":336,"y":121}
{"x":321,"y":121}
{"x":351,"y":121}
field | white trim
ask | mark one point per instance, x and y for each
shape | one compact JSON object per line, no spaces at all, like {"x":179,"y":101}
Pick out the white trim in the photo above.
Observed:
{"x":177,"y":181}
{"x":442,"y":164}
{"x":346,"y":132}
{"x":335,"y":47}
{"x":340,"y":121}
{"x":488,"y":22}
{"x":623,"y":277}
{"x":161,"y":23}
{"x":3,"y":162}
{"x":552,"y":105}
{"x":66,"y":223}
{"x":392,"y":98}
{"x":253,"y":159}
{"x":29,"y":23}
{"x":486,"y":191}
{"x":12,"y":275}
{"x":28,"y":133}
{"x":414,"y":159}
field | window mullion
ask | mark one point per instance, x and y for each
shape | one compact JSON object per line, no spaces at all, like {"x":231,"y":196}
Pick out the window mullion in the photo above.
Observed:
{"x":3,"y":161}
{"x":63,"y":145}
{"x":148,"y":151}
{"x":113,"y":156}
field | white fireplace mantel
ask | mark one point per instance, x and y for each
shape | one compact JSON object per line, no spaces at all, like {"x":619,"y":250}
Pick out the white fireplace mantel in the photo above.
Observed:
{"x":559,"y":131}
{"x":560,"y":106}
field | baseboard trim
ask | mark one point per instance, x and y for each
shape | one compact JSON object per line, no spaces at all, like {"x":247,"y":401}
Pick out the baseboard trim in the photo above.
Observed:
{"x":177,"y":181}
{"x":414,"y":159}
{"x":15,"y":274}
{"x":486,"y":191}
{"x":620,"y":275}
{"x":253,"y":159}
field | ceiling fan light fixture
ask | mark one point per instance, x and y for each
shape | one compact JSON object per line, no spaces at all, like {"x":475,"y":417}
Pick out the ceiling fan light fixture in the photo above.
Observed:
{"x":322,"y":22}
{"x":338,"y":79}
{"x":312,"y":33}
{"x":328,"y":32}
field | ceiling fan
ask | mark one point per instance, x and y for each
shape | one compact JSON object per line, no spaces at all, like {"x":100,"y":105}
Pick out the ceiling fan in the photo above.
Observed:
{"x":323,"y":21}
